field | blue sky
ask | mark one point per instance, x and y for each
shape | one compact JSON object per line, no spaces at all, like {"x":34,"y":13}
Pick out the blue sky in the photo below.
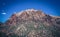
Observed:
{"x":8,"y":7}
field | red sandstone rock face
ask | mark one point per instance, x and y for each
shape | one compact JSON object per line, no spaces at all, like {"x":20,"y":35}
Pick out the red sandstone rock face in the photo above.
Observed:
{"x":12,"y":20}
{"x":33,"y":23}
{"x":27,"y":15}
{"x":31,"y":15}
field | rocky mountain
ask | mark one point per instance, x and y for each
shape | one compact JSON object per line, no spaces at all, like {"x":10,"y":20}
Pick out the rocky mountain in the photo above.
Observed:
{"x":32,"y":23}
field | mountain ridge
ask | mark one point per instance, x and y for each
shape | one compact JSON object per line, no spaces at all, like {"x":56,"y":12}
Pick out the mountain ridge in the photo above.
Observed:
{"x":32,"y":23}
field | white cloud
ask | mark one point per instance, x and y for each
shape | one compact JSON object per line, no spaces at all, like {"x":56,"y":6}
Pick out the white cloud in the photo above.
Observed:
{"x":3,"y":13}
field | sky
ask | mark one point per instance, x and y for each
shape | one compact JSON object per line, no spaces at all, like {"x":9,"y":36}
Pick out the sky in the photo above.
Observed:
{"x":9,"y":7}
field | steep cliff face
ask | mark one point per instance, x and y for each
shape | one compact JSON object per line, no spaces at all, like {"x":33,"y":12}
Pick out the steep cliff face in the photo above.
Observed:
{"x":32,"y":23}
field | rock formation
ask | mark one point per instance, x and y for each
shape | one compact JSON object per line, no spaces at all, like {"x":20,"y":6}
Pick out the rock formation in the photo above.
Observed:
{"x":32,"y":23}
